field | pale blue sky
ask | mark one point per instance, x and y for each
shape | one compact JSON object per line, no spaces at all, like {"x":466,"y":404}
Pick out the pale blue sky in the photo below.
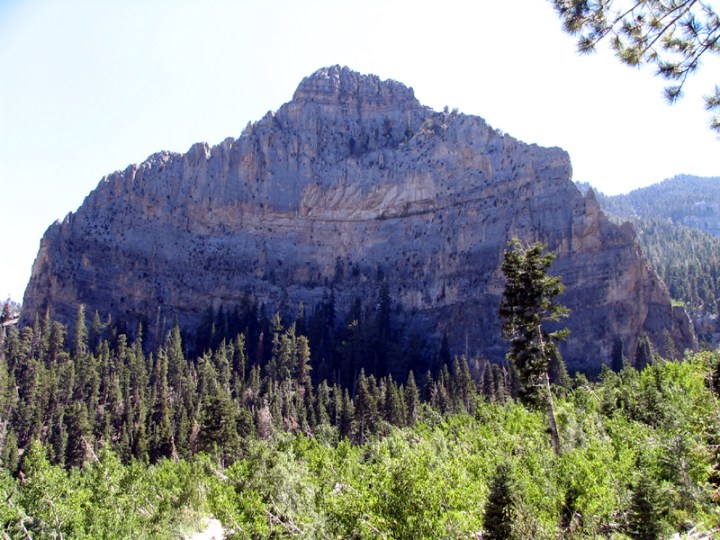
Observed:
{"x":88,"y":87}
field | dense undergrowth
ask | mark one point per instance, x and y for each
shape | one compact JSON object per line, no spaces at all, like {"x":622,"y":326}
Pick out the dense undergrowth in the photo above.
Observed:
{"x":102,"y":438}
{"x":638,"y":459}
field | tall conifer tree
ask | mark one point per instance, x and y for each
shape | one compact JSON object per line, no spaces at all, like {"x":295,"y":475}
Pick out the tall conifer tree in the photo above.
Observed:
{"x":527,"y":303}
{"x":499,"y":512}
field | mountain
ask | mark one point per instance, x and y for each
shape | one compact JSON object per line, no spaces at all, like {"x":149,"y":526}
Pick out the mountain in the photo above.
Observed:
{"x":350,"y":189}
{"x":687,"y":200}
{"x":678,"y":227}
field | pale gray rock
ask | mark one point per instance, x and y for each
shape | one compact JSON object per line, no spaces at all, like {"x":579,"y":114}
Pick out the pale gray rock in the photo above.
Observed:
{"x":351,"y":180}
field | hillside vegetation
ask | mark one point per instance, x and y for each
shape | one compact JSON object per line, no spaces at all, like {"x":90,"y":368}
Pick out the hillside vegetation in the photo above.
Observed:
{"x":102,"y":439}
{"x":684,"y":200}
{"x":686,"y":259}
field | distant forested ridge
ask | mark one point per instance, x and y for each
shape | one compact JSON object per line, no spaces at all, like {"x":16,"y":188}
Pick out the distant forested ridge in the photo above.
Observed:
{"x":686,"y":259}
{"x":687,"y":200}
{"x":103,"y":436}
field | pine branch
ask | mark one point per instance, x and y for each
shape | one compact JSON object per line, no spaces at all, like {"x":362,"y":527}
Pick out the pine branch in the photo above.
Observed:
{"x":672,"y":35}
{"x":669,"y":26}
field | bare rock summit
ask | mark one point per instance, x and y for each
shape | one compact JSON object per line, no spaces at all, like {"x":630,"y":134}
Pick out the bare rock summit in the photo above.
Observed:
{"x":351,"y":186}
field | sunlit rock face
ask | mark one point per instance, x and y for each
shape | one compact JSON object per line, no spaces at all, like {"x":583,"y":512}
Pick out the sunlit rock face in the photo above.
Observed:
{"x":353,"y":185}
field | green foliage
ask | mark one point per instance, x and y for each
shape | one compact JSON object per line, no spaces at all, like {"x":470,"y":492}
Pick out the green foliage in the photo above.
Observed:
{"x":644,"y":519}
{"x":687,"y":260}
{"x":106,"y":499}
{"x":498,"y":515}
{"x":527,"y":303}
{"x":276,"y":456}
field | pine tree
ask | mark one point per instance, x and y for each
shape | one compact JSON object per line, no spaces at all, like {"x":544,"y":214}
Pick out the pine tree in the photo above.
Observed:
{"x":282,"y":358}
{"x":488,"y":382}
{"x":304,"y":393}
{"x":5,"y":314}
{"x":252,"y":389}
{"x":366,"y":410}
{"x":239,"y":363}
{"x":222,"y":365}
{"x":302,"y":363}
{"x":7,"y":394}
{"x":557,"y":370}
{"x":670,"y":36}
{"x":617,"y":360}
{"x":462,"y":385}
{"x":644,"y":518}
{"x":9,"y":453}
{"x":124,"y":450}
{"x":80,"y":341}
{"x":412,"y":400}
{"x":643,"y":353}
{"x":30,"y":409}
{"x":394,"y":406}
{"x":140,"y":443}
{"x":12,"y":347}
{"x":499,"y":512}
{"x":41,"y":332}
{"x":177,"y":366}
{"x":78,"y":431}
{"x":347,"y":416}
{"x":96,"y":331}
{"x":527,"y":303}
{"x":218,"y":428}
{"x":162,"y":443}
{"x":57,"y":341}
{"x":442,"y":401}
{"x":58,"y":437}
{"x":322,"y":404}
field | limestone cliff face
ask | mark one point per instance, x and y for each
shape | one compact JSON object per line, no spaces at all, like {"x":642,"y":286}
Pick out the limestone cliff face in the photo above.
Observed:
{"x":351,"y":183}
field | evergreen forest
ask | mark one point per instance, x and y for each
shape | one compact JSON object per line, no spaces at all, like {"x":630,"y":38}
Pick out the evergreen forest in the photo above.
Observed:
{"x":687,"y":260}
{"x":687,"y":200}
{"x":318,"y":428}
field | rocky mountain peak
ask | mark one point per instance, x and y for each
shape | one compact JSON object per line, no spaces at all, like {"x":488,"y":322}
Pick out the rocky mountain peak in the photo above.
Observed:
{"x":340,"y":85}
{"x":351,"y":188}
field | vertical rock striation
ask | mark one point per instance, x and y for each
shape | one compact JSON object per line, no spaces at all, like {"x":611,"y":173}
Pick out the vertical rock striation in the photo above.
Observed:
{"x":351,"y":185}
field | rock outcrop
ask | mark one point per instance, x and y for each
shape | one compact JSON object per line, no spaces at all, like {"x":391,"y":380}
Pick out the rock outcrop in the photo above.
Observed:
{"x":352,"y":184}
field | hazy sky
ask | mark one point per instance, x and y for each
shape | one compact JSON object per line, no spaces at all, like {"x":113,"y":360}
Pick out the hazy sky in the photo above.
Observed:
{"x":88,"y":87}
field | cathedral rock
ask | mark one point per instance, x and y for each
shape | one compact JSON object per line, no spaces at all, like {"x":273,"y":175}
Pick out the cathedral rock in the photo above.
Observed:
{"x":352,"y":186}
